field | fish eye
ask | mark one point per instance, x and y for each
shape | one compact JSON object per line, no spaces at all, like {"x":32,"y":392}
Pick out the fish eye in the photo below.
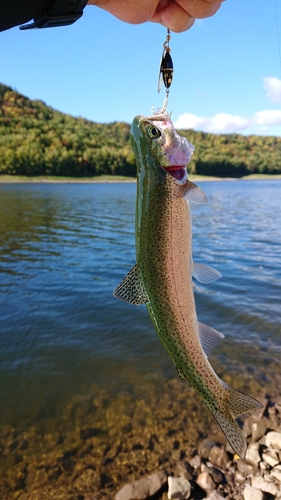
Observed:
{"x":153,"y":132}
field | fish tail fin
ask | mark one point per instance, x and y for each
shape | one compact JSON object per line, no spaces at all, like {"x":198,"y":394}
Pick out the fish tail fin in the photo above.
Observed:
{"x":236,"y":403}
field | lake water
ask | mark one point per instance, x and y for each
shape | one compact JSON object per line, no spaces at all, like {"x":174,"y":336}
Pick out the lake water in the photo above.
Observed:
{"x":65,"y":247}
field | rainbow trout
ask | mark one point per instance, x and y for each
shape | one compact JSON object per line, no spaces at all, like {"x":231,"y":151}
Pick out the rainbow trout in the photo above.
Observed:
{"x":162,"y":277}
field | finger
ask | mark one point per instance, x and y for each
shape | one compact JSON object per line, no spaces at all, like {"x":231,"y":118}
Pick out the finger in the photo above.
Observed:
{"x":131,"y":12}
{"x":200,"y":8}
{"x":173,"y":16}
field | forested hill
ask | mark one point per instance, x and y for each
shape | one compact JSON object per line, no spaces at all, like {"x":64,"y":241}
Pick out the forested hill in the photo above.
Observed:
{"x":35,"y":139}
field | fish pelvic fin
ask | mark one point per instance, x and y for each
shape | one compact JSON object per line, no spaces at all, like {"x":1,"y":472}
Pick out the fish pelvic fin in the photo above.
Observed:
{"x":131,"y":288}
{"x":209,"y":337}
{"x":205,"y":274}
{"x":236,"y":403}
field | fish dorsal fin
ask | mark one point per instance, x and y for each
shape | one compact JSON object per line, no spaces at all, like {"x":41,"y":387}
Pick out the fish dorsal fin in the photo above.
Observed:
{"x":194,"y":194}
{"x":205,"y":274}
{"x":131,"y":288}
{"x":209,"y":337}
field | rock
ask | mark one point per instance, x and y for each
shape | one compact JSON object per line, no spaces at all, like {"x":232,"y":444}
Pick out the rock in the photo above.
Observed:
{"x":216,"y":474}
{"x":214,"y":496}
{"x":251,"y":493}
{"x":273,"y":440}
{"x":278,"y":405}
{"x":205,"y":447}
{"x":239,"y":477}
{"x":260,"y":483}
{"x":276,"y":473}
{"x":195,"y":462}
{"x":259,"y":429}
{"x":263,"y":466}
{"x":270,"y":458}
{"x":183,"y":469}
{"x":247,"y":428}
{"x":143,"y":488}
{"x":246,"y":469}
{"x":37,"y":478}
{"x":87,"y":481}
{"x":206,"y":482}
{"x":218,"y":457}
{"x":273,"y":423}
{"x":265,"y":402}
{"x":178,"y":488}
{"x":252,"y":454}
{"x":15,"y":459}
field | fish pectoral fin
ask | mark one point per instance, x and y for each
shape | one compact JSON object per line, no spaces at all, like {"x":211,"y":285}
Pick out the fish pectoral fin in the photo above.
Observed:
{"x":205,"y":274}
{"x":194,"y":194}
{"x":131,"y":288}
{"x":209,"y":337}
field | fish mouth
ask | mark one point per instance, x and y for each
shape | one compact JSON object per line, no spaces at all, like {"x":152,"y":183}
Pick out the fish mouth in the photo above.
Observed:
{"x":178,"y":172}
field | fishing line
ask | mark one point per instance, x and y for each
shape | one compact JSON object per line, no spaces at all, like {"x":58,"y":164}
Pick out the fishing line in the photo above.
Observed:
{"x":277,"y":31}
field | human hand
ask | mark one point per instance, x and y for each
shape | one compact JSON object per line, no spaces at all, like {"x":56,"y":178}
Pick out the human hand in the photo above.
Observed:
{"x":178,"y":15}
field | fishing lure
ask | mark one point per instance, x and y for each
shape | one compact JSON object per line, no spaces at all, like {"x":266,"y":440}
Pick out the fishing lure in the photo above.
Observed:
{"x":166,"y":70}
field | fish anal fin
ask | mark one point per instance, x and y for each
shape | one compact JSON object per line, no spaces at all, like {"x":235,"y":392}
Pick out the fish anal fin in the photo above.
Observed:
{"x":239,"y":403}
{"x":131,"y":288}
{"x":194,"y":194}
{"x":205,"y":274}
{"x":209,"y":337}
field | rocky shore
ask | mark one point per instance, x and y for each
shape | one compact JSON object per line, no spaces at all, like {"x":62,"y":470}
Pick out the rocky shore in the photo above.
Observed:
{"x":165,"y":445}
{"x":214,"y":472}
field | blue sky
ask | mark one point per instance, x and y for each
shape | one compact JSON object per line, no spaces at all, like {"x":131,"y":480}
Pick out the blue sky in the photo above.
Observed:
{"x":227,"y":72}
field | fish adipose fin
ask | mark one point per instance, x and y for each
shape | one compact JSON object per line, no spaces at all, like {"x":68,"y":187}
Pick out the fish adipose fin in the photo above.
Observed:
{"x":209,"y":337}
{"x":237,"y":404}
{"x":181,"y":374}
{"x":205,"y":274}
{"x":194,"y":194}
{"x":131,"y":288}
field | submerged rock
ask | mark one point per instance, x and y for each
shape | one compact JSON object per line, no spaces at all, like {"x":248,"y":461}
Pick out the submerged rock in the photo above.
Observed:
{"x":143,"y":488}
{"x":112,"y":442}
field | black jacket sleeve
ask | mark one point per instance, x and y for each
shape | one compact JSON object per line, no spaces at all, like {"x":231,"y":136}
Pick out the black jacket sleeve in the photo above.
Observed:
{"x":15,"y":12}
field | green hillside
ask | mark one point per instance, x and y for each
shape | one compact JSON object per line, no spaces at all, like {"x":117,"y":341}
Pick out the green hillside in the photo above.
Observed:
{"x":35,"y":140}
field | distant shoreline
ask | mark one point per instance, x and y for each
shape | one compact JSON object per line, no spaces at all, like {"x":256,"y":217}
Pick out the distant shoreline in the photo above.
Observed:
{"x":11,"y":179}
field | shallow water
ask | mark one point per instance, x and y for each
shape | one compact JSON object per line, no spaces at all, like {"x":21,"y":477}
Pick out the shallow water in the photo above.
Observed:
{"x":65,"y":247}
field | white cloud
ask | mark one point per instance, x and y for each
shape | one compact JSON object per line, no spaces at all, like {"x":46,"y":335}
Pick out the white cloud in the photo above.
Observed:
{"x":268,"y":117}
{"x":272,"y":86}
{"x":224,"y":123}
